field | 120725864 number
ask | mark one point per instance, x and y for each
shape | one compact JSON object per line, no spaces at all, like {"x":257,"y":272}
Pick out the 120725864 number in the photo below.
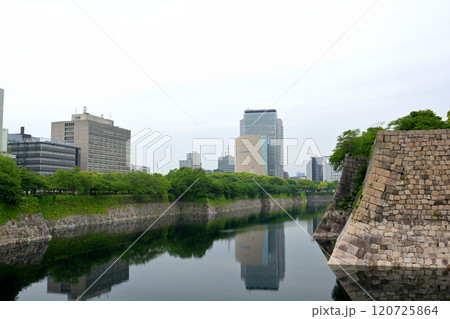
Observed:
{"x":404,"y":310}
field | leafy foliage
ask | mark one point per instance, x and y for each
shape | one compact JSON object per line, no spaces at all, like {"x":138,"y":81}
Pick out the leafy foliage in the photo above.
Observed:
{"x":78,"y":192}
{"x":355,"y":144}
{"x":420,"y":120}
{"x":10,"y":190}
{"x":31,"y":182}
{"x":225,"y":185}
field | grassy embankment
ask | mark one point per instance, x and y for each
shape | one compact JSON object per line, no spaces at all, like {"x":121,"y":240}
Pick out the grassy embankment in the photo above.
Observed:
{"x":53,"y":207}
{"x":58,"y":206}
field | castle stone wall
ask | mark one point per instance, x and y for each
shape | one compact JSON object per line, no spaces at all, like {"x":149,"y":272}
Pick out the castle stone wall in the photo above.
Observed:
{"x":335,"y":217}
{"x":403,"y":217}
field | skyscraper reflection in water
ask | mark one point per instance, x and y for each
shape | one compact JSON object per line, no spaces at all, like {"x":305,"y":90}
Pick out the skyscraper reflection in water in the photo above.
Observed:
{"x":117,"y":274}
{"x":262,"y":257}
{"x":312,"y":225}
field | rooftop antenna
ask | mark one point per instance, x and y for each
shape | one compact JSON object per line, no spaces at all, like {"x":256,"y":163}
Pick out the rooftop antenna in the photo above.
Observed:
{"x":84,"y":110}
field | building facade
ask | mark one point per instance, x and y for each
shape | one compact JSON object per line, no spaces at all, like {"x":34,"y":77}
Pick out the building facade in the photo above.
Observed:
{"x":252,"y":154}
{"x":329,"y":174}
{"x":2,"y":139}
{"x":265,"y":123}
{"x":314,"y":169}
{"x":318,"y":169}
{"x":226,"y":164}
{"x":104,"y":147}
{"x":192,"y":160}
{"x":42,"y":155}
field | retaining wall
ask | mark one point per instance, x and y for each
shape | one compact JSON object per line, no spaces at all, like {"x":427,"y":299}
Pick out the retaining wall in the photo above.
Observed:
{"x":34,"y":228}
{"x":403,"y":217}
{"x":29,"y":228}
{"x":335,"y":217}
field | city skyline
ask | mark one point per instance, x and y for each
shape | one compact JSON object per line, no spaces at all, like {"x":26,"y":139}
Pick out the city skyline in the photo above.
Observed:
{"x":374,"y":73}
{"x":63,"y":131}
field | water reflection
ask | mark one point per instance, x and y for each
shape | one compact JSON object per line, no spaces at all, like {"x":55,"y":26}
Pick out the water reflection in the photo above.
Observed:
{"x":262,"y":257}
{"x":181,"y":258}
{"x":386,"y":284}
{"x":117,"y":274}
{"x":23,"y":254}
{"x":312,"y":225}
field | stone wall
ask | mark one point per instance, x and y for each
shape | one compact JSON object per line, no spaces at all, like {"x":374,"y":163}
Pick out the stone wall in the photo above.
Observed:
{"x":132,"y":218}
{"x":29,"y":228}
{"x":335,"y":217}
{"x":318,"y":200}
{"x":403,"y":217}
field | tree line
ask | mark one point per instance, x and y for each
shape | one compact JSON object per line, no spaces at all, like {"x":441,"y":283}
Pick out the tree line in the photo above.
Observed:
{"x":16,"y":182}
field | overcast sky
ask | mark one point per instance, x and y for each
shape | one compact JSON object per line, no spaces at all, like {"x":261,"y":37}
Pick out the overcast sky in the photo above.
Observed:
{"x":217,"y":58}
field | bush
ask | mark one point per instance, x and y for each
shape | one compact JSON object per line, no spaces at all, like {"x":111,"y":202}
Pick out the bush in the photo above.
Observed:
{"x":419,"y":120}
{"x":10,"y":181}
{"x":355,"y":144}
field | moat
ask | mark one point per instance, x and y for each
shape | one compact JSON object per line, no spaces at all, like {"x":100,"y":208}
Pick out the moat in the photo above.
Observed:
{"x":263,"y":257}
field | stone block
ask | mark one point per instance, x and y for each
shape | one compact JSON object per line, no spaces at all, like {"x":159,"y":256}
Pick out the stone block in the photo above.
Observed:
{"x":352,"y":249}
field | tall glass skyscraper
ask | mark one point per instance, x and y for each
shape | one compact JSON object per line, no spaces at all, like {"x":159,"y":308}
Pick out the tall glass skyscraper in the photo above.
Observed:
{"x":266,"y":123}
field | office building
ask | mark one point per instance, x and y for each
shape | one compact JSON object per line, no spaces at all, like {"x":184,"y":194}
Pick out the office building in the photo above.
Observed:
{"x":251,"y":154}
{"x":299,"y":175}
{"x":192,"y":160}
{"x":4,"y":140}
{"x":319,"y":169}
{"x":42,"y":155}
{"x":226,"y":164}
{"x":265,"y":123}
{"x":314,"y":169}
{"x":104,"y":147}
{"x":3,"y":145}
{"x":329,"y":174}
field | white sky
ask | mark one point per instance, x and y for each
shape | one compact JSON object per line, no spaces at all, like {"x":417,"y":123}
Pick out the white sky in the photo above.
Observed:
{"x":217,"y":58}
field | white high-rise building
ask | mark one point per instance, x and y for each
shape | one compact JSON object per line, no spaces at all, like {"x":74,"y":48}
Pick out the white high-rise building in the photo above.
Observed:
{"x":319,"y":169}
{"x":329,"y":174}
{"x":3,"y":145}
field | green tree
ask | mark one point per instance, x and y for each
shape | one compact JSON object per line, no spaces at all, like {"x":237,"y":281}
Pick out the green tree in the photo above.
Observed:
{"x":353,"y":143}
{"x":147,"y":187}
{"x":10,"y":189}
{"x":332,"y":186}
{"x":72,"y":180}
{"x":60,"y":181}
{"x":30,"y":181}
{"x":322,"y":186}
{"x":305,"y":185}
{"x":346,"y":144}
{"x":183,"y":178}
{"x":419,"y":120}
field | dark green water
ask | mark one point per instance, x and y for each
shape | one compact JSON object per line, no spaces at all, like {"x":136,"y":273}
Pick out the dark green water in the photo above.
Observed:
{"x":264,"y":257}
